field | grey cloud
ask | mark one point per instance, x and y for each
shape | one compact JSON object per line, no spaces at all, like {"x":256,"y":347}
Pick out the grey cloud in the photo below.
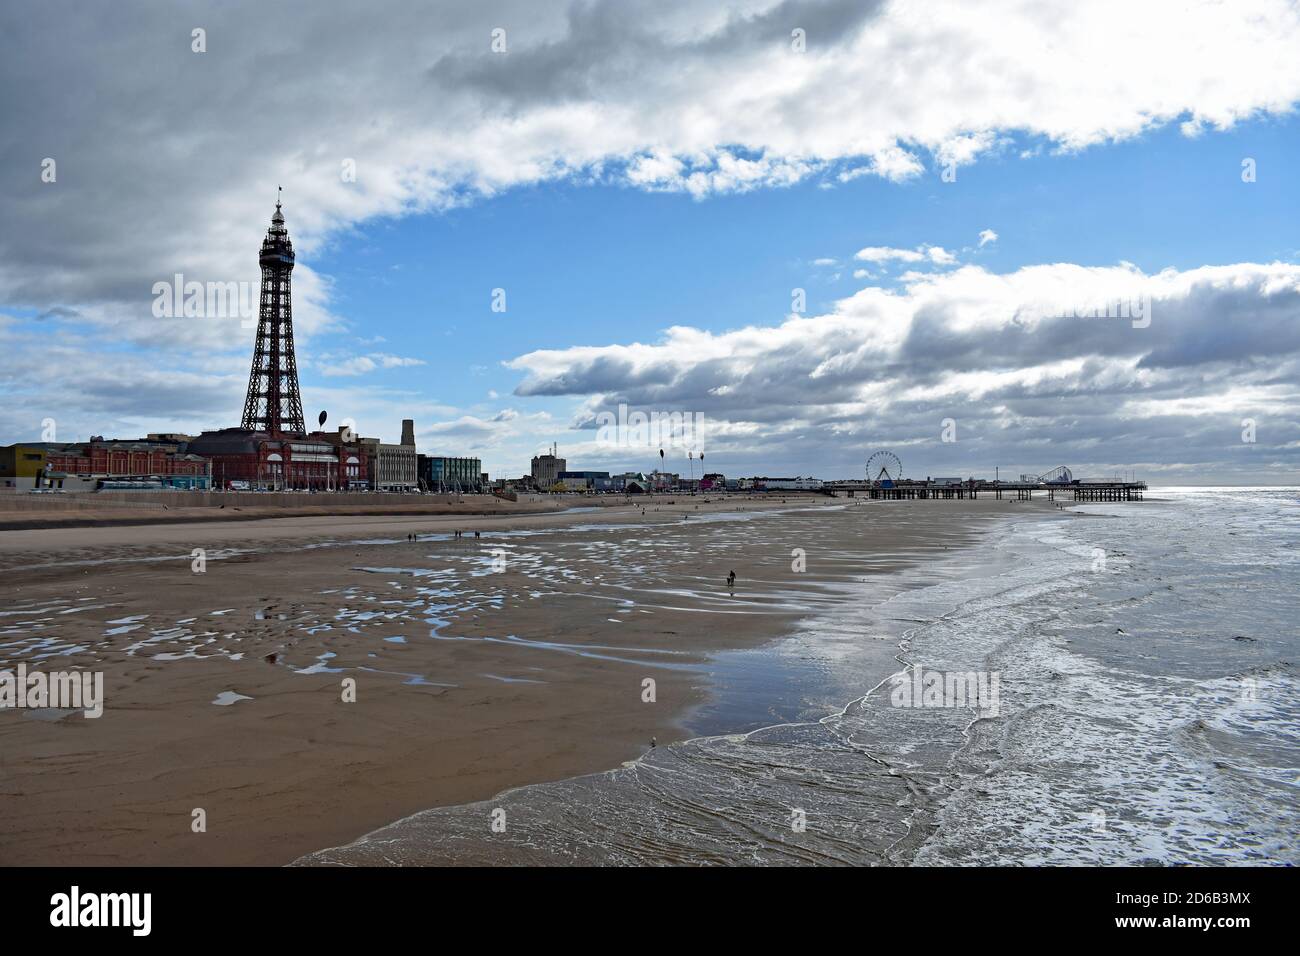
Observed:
{"x":604,"y":46}
{"x":1088,"y":391}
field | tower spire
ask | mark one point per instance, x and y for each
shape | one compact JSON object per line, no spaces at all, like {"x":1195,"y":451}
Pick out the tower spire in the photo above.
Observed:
{"x":273,"y":403}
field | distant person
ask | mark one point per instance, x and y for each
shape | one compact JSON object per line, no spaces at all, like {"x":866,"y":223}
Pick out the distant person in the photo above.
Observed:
{"x":731,"y":579}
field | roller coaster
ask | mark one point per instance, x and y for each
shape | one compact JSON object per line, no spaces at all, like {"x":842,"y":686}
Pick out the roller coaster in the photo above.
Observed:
{"x":1057,"y":476}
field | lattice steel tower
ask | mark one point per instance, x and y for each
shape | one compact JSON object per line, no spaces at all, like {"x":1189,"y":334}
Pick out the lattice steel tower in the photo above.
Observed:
{"x":273,"y":403}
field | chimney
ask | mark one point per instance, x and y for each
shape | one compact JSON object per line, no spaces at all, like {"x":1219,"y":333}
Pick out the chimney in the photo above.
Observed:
{"x":408,"y":431}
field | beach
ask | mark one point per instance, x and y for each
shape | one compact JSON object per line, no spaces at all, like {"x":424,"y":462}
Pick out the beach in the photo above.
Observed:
{"x":1135,"y":704}
{"x":478,"y":664}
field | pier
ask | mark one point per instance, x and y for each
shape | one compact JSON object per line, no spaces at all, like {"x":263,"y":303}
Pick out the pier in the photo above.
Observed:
{"x":907,"y":489}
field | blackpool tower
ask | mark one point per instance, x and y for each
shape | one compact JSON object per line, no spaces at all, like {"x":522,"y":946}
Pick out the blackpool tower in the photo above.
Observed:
{"x":273,"y":404}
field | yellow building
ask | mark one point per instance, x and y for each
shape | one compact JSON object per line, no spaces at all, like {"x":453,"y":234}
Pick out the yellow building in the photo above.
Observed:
{"x":22,"y":463}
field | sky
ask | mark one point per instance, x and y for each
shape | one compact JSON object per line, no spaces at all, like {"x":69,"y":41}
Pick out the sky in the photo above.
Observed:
{"x":1011,"y":237}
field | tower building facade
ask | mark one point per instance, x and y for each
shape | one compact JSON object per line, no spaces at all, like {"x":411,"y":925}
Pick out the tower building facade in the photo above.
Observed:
{"x":273,"y":404}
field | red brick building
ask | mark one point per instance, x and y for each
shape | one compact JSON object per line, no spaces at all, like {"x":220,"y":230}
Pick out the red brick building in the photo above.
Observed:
{"x":99,"y":459}
{"x":315,"y":462}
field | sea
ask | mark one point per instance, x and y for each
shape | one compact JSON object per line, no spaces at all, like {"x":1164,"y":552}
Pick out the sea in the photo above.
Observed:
{"x":1114,"y":684}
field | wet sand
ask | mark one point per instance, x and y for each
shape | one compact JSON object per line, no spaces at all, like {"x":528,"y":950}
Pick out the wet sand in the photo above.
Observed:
{"x":468,"y":681}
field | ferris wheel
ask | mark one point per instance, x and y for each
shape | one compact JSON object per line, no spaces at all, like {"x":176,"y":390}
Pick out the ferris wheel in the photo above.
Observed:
{"x":884,"y":466}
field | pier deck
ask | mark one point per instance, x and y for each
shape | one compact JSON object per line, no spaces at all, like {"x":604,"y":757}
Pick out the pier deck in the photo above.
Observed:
{"x":1023,"y":491}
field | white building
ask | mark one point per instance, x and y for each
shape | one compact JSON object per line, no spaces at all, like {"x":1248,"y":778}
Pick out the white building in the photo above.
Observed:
{"x":397,"y":467}
{"x":791,"y":484}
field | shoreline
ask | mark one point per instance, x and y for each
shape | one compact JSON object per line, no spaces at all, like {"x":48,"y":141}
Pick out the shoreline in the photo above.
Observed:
{"x":412,"y":840}
{"x":570,"y":821}
{"x":545,"y":661}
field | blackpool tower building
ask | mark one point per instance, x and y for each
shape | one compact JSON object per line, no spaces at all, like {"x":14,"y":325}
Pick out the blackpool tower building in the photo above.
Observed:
{"x":272,"y":450}
{"x":273,"y":404}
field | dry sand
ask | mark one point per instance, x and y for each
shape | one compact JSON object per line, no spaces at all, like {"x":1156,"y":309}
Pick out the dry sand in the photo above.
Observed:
{"x":467,"y":681}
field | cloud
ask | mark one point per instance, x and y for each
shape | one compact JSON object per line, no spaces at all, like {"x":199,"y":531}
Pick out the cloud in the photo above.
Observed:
{"x":479,"y":434}
{"x":1000,"y":353}
{"x":890,"y":162}
{"x":659,"y":96}
{"x":987,"y":236}
{"x":879,"y":254}
{"x":721,"y":171}
{"x":886,"y":254}
{"x":361,"y":364}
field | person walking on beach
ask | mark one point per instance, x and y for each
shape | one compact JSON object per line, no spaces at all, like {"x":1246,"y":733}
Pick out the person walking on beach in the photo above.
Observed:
{"x":731,"y":580}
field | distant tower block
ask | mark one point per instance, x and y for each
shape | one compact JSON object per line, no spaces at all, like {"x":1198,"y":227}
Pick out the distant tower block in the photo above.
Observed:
{"x":408,"y":431}
{"x":273,"y":404}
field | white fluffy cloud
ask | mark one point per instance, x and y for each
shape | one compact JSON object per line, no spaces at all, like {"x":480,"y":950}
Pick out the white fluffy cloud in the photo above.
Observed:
{"x":888,"y":253}
{"x":881,"y":254}
{"x":1014,"y":358}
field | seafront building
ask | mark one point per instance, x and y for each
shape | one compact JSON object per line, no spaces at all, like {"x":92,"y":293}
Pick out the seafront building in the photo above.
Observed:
{"x":664,"y":480}
{"x":632,"y":483}
{"x":23,"y":463}
{"x":396,"y":466}
{"x":586,"y":481}
{"x":99,"y":463}
{"x":256,"y":461}
{"x":546,"y":469}
{"x":442,"y":474}
{"x":789,"y":484}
